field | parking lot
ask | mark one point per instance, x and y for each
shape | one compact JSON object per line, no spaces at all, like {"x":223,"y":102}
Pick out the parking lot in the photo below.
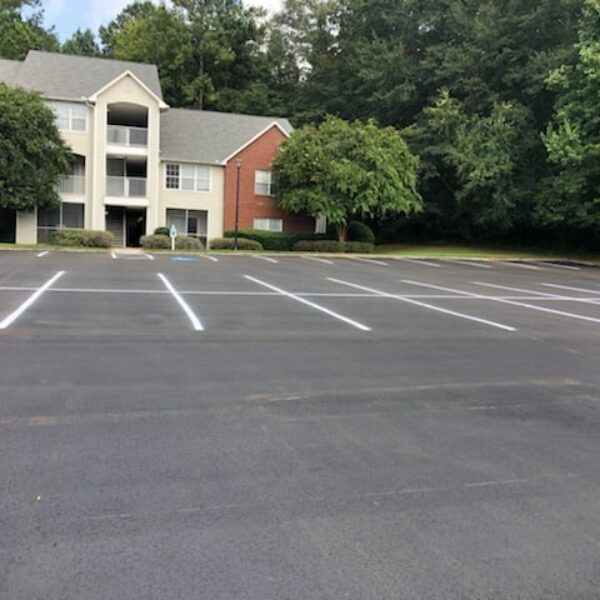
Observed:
{"x":297,"y":427}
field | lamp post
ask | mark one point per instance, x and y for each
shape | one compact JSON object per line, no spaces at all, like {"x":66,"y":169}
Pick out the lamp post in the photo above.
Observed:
{"x":238,"y":164}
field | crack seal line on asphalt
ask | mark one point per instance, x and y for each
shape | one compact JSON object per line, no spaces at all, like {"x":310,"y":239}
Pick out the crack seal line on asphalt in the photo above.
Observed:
{"x":425,"y":305}
{"x":196,"y":324}
{"x":331,"y":313}
{"x":8,"y":321}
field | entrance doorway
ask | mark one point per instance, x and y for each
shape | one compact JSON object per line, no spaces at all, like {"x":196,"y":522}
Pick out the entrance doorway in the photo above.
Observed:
{"x":127,"y":225}
{"x":8,"y":226}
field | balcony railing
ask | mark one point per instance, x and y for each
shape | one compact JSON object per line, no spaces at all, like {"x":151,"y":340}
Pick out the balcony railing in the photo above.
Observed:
{"x":127,"y":136}
{"x":126,"y":187}
{"x":72,"y":184}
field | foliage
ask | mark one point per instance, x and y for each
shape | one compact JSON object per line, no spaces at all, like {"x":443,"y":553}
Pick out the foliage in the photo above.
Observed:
{"x":319,"y":246}
{"x":158,"y":241}
{"x":82,"y":43}
{"x":572,"y":197}
{"x":19,"y":34}
{"x":33,"y":155}
{"x":162,"y":231}
{"x":342,"y":169}
{"x":183,"y":242}
{"x":227,"y":244}
{"x":359,"y":232}
{"x":359,"y":247}
{"x":86,"y":238}
{"x":273,"y":240}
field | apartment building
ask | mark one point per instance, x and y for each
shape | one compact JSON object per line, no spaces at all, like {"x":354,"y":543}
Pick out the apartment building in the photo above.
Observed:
{"x":139,"y":164}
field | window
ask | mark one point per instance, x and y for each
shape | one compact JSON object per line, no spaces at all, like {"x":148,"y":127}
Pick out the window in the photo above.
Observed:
{"x":70,"y":117}
{"x":65,"y":216}
{"x":192,"y":223}
{"x":191,"y":178}
{"x":268,"y":224}
{"x":263,"y":185}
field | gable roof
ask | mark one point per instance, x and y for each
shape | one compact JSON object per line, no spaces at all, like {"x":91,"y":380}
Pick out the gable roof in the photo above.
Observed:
{"x":9,"y":70}
{"x":211,"y":137}
{"x":68,"y":76}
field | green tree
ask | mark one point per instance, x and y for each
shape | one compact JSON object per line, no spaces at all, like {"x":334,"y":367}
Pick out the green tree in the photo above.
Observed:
{"x":159,"y":36}
{"x":111,"y":32}
{"x":346,"y":170}
{"x":33,"y":155}
{"x":82,"y":43}
{"x":19,"y":34}
{"x":573,"y":139}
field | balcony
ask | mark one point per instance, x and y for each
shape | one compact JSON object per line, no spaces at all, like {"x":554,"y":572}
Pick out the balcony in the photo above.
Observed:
{"x":73,"y":185}
{"x":126,"y":187}
{"x":133,"y":138}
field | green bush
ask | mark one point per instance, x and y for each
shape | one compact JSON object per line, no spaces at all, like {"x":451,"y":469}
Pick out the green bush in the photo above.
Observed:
{"x":359,"y":247}
{"x":319,"y":246}
{"x":155,"y":242}
{"x":227,"y":244}
{"x":162,"y":231}
{"x":359,"y":232}
{"x":183,"y":242}
{"x":85,"y":238}
{"x":274,"y":240}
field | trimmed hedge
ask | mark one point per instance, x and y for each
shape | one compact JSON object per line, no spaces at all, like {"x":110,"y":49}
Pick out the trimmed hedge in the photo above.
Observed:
{"x":274,"y":240}
{"x":359,"y":232}
{"x":227,"y":244}
{"x":155,"y":242}
{"x":333,"y":246}
{"x":183,"y":242}
{"x":84,"y":238}
{"x":162,"y":231}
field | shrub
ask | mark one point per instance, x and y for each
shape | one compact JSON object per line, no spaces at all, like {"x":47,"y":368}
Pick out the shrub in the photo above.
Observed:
{"x":359,"y":247}
{"x":359,"y":232}
{"x":319,"y":246}
{"x":85,"y":238}
{"x":274,"y":240}
{"x":162,"y":231}
{"x":183,"y":242}
{"x":227,"y":244}
{"x":155,"y":242}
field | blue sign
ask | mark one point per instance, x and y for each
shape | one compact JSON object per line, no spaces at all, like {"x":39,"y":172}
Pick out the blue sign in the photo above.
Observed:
{"x":183,"y":258}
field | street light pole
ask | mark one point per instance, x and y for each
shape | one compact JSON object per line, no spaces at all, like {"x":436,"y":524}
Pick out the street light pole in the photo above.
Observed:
{"x":238,"y":164}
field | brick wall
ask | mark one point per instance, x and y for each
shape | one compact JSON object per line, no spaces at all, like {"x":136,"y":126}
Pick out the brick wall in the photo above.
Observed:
{"x":258,"y":156}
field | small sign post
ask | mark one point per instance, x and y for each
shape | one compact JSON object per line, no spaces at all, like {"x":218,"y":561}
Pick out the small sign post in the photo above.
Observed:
{"x":173,"y":235}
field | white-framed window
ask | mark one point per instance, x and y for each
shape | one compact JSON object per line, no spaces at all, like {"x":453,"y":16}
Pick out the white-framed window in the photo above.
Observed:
{"x":268,"y":224}
{"x":65,"y":216}
{"x":191,"y":178}
{"x":263,"y":183}
{"x":192,"y":223}
{"x":70,"y":116}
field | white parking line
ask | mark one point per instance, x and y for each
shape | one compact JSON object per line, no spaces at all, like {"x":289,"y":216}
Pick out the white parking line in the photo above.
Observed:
{"x":211,"y":258}
{"x":573,"y":289}
{"x":311,"y":304}
{"x":114,"y":256}
{"x":371,"y":260}
{"x":543,"y":295}
{"x":149,"y":256}
{"x":271,"y":260}
{"x":505,"y":301}
{"x":522,"y":265}
{"x":6,"y":323}
{"x":42,"y":254}
{"x":427,"y":263}
{"x":468,"y":263}
{"x":559,"y":266}
{"x":321,"y":260}
{"x":424,"y":305}
{"x":186,"y":309}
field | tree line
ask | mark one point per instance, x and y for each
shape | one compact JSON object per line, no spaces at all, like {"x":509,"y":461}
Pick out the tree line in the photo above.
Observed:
{"x":498,"y":98}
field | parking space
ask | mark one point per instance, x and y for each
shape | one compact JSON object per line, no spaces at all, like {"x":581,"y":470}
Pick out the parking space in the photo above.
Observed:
{"x":304,"y":428}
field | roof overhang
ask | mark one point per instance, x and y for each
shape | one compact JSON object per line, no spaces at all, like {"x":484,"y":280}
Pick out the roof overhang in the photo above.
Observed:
{"x":161,"y":103}
{"x":256,"y":137}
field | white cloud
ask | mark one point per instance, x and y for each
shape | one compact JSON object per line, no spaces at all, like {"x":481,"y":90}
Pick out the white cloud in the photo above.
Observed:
{"x":270,"y":5}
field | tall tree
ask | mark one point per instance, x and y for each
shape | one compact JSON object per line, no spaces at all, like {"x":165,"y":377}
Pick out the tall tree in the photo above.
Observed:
{"x":33,"y":154}
{"x":111,"y":32}
{"x":82,"y":43}
{"x":19,"y":34}
{"x":573,"y":138}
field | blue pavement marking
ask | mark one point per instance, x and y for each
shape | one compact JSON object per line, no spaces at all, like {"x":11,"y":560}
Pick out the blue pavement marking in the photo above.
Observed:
{"x":184,"y":258}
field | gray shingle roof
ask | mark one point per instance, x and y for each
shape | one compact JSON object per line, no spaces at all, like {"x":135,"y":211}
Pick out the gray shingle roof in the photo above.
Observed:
{"x":9,"y":70}
{"x":209,"y":137}
{"x":67,"y":76}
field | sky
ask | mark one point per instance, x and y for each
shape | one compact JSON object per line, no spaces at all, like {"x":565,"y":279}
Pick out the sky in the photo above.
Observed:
{"x":68,"y":15}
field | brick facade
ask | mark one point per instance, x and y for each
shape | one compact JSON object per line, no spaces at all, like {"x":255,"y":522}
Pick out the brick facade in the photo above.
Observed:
{"x":258,"y":156}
